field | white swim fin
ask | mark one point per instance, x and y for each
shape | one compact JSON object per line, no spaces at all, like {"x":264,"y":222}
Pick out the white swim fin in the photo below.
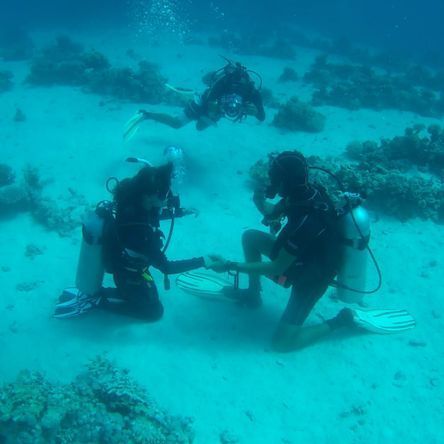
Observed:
{"x":207,"y":285}
{"x":132,"y":126}
{"x":384,"y":321}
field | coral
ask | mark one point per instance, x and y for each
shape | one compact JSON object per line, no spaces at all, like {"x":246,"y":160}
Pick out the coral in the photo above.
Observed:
{"x":54,"y":217}
{"x":63,"y":49}
{"x":67,"y":63}
{"x":395,"y":193}
{"x":227,"y":437}
{"x":298,"y":116}
{"x":32,"y":181}
{"x":288,"y":75}
{"x":420,"y":147}
{"x":259,"y":172}
{"x":144,"y":85}
{"x":359,"y":86}
{"x":94,"y":61}
{"x":402,"y":177}
{"x":33,"y":250}
{"x":13,"y":199}
{"x":103,"y":404}
{"x":28,"y":286}
{"x":7,"y":175}
{"x":5,"y":80}
{"x":28,"y":196}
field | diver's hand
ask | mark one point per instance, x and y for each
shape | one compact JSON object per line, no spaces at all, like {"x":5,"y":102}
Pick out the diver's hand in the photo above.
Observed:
{"x":190,"y":211}
{"x":251,"y":109}
{"x":260,"y":201}
{"x":259,"y":198}
{"x":216,"y":263}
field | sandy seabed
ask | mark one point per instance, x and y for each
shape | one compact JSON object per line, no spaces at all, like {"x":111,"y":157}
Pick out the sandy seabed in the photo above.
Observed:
{"x":211,"y":361}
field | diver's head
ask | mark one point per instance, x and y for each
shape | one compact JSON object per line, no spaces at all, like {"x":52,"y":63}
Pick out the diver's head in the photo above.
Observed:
{"x":288,"y":175}
{"x":235,"y":69}
{"x":154,"y":185}
{"x":232,"y":106}
{"x":149,"y":188}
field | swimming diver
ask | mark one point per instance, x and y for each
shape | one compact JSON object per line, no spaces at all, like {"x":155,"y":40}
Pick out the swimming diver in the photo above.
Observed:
{"x":232,"y":94}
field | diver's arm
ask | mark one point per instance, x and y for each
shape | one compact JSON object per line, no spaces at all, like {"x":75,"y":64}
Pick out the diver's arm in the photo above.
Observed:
{"x":256,"y":100}
{"x":167,"y":214}
{"x":174,"y":267}
{"x":266,"y":208}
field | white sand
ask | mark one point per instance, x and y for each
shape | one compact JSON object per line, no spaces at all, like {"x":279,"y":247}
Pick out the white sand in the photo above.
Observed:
{"x":207,"y":360}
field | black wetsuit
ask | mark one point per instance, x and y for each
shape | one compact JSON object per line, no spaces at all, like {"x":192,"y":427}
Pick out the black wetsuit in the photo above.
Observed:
{"x":311,"y":236}
{"x":237,"y":82}
{"x":133,"y":243}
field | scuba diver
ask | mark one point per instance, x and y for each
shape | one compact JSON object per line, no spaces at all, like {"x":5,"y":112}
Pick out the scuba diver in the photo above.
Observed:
{"x":232,"y":94}
{"x":305,"y":255}
{"x":316,"y":244}
{"x":123,"y":238}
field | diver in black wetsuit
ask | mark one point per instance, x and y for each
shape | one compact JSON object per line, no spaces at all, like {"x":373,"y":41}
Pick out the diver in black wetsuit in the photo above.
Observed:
{"x":232,"y":94}
{"x":305,"y":255}
{"x":132,"y":243}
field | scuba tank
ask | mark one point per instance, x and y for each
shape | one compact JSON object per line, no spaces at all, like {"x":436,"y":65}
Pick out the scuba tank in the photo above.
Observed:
{"x":90,"y":266}
{"x":354,"y":228}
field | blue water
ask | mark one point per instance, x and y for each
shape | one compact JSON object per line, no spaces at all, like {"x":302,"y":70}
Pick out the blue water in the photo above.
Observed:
{"x":408,"y":25}
{"x":213,"y":362}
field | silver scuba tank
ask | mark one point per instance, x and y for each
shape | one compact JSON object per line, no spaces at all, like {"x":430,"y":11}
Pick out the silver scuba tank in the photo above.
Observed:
{"x":90,"y":266}
{"x":353,"y":271}
{"x":176,"y":156}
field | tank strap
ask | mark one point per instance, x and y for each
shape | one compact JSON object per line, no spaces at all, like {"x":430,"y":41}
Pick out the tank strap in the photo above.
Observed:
{"x":358,"y":244}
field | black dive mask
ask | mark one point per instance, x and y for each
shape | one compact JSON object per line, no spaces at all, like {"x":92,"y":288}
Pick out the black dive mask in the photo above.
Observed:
{"x":232,"y":106}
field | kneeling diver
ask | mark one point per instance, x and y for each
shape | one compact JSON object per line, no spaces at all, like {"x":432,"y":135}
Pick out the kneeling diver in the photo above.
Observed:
{"x":306,"y":255}
{"x":123,"y":238}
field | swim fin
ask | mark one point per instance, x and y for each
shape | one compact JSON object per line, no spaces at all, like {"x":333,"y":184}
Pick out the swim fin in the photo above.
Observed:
{"x":132,"y":126}
{"x":72,"y":303}
{"x":383,"y":321}
{"x":180,"y":90}
{"x":207,"y":285}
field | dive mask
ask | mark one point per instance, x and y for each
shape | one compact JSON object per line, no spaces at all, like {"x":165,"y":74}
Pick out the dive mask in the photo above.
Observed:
{"x":232,"y":106}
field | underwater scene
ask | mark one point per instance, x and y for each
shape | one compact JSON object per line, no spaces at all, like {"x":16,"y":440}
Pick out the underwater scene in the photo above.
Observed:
{"x":221,"y":222}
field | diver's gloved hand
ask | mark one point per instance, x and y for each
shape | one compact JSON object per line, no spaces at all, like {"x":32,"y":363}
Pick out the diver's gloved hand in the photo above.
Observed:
{"x":274,"y":225}
{"x":73,"y":303}
{"x":189,"y":211}
{"x":250,"y":109}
